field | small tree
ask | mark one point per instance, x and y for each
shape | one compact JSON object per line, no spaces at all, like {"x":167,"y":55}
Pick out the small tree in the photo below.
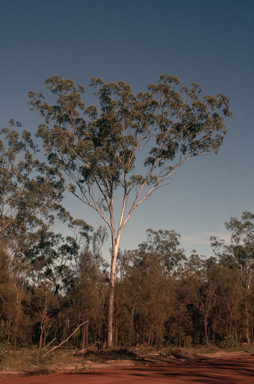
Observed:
{"x":164,"y":246}
{"x":16,"y":165}
{"x":98,"y":151}
{"x":242,"y":247}
{"x":240,"y":254}
{"x":30,"y":196}
{"x":29,"y":206}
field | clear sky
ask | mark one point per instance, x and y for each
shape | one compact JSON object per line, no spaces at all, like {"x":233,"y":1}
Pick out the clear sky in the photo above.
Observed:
{"x":209,"y":42}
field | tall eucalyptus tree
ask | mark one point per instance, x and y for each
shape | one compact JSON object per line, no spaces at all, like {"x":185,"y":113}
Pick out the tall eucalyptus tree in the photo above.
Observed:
{"x":98,"y":150}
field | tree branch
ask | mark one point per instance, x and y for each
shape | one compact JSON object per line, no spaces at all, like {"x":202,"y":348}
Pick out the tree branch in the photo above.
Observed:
{"x":63,"y":342}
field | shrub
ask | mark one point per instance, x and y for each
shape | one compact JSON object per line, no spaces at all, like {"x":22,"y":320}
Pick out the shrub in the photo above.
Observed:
{"x":231,"y":341}
{"x":38,"y":356}
{"x":173,"y":351}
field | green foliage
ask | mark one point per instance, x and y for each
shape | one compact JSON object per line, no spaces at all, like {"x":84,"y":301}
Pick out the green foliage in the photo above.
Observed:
{"x":3,"y":332}
{"x":30,"y":204}
{"x":4,"y":344}
{"x":173,"y":351}
{"x":242,"y":244}
{"x":5,"y":349}
{"x":39,"y":357}
{"x":115,"y":354}
{"x":99,"y":148}
{"x":2,"y":352}
{"x":231,"y":340}
{"x":163,"y":246}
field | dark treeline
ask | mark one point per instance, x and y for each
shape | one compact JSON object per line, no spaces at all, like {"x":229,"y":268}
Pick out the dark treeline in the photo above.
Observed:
{"x":162,"y":298}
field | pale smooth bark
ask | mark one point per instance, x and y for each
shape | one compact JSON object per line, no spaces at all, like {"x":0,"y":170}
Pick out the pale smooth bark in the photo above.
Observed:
{"x":112,"y":293}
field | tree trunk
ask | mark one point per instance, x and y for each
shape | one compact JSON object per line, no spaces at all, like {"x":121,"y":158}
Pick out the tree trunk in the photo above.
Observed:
{"x":152,"y":336}
{"x":17,"y":317}
{"x":15,"y":345}
{"x":41,"y":335}
{"x":9,"y":331}
{"x":43,"y":319}
{"x":206,"y":335}
{"x":83,"y":343}
{"x":149,"y":338}
{"x":132,"y":315}
{"x":252,"y":329}
{"x":111,"y":310}
{"x":131,"y":333}
{"x":247,"y":325}
{"x":112,"y":292}
{"x":44,"y":338}
{"x":180,"y":334}
{"x":116,"y":335}
{"x":87,"y":329}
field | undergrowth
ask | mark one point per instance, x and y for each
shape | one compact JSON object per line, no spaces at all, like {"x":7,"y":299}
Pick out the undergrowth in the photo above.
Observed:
{"x":37,"y":359}
{"x":114,"y":354}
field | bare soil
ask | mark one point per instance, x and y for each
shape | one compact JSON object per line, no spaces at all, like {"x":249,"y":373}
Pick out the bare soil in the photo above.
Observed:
{"x":219,"y":367}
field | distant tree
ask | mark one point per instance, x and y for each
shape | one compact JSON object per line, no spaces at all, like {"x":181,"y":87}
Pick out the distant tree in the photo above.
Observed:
{"x":164,"y":246}
{"x":150,"y":291}
{"x":30,"y":206}
{"x":242,"y":245}
{"x":239,"y":254}
{"x":86,"y":287}
{"x":230,"y":294}
{"x":98,"y":152}
{"x":6,"y":295}
{"x":16,"y":165}
{"x":30,"y":211}
{"x":30,"y":198}
{"x":201,"y":286}
{"x":242,"y":248}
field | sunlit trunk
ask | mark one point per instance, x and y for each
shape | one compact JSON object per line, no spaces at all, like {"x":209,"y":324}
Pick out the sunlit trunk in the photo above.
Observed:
{"x":112,"y":293}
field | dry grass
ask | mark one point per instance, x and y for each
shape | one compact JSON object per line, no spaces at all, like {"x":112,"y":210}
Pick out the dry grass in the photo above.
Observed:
{"x":29,"y":359}
{"x":33,"y":359}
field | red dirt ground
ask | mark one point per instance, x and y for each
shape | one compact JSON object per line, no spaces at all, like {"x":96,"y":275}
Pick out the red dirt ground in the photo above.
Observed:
{"x":225,"y":371}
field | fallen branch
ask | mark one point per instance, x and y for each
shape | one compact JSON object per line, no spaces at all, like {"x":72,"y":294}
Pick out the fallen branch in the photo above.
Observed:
{"x":81,"y":352}
{"x":59,"y":345}
{"x":91,"y":348}
{"x":52,"y":341}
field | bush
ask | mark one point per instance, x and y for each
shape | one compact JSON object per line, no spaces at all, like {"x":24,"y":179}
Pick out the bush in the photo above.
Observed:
{"x":38,"y":356}
{"x":2,"y":353}
{"x":4,"y":350}
{"x":115,"y":354}
{"x":173,"y":351}
{"x":231,"y":341}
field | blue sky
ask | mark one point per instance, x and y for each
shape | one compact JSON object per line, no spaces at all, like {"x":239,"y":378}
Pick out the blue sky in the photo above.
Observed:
{"x":209,"y":42}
